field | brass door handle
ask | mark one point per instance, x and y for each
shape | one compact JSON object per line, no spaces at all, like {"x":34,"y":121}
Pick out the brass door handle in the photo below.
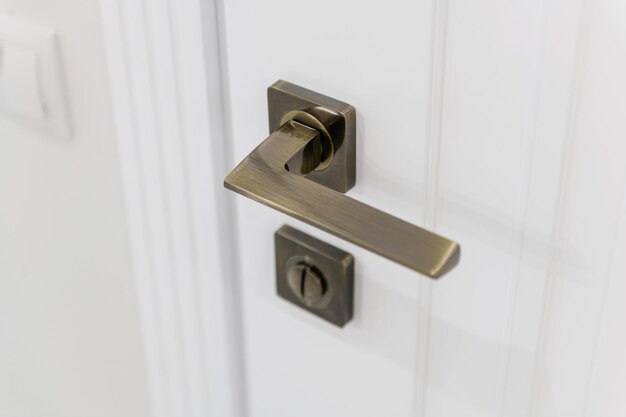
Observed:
{"x":305,"y":165}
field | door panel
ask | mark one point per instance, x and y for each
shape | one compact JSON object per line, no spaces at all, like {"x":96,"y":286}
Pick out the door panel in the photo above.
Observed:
{"x":295,"y":361}
{"x":496,"y":124}
{"x":488,"y":99}
{"x":586,"y":254}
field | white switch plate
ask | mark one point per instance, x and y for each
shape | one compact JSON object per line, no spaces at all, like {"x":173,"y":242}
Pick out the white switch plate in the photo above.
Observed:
{"x":32,"y":89}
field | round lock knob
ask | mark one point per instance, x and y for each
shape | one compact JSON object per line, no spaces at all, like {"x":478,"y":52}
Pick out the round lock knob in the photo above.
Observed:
{"x":308,"y":284}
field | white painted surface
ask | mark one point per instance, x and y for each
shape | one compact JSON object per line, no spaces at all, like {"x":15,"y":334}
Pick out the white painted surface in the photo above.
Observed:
{"x":498,"y":125}
{"x":296,"y":363}
{"x":70,"y":340}
{"x":166,"y":86}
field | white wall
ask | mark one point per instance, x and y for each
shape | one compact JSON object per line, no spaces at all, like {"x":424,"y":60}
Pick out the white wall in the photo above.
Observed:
{"x":70,"y":342}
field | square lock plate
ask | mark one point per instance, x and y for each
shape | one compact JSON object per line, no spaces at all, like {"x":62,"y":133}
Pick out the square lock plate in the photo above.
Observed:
{"x":314,"y":275}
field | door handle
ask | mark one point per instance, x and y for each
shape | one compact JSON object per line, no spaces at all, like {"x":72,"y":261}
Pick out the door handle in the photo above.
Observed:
{"x":305,"y":165}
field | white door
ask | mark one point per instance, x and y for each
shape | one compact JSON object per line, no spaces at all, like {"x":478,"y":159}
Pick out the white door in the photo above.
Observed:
{"x":497,"y":124}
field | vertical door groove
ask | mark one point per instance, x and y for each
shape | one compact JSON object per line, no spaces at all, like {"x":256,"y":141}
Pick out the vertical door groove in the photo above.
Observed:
{"x":564,"y":181}
{"x":522,"y":217}
{"x":439,"y":29}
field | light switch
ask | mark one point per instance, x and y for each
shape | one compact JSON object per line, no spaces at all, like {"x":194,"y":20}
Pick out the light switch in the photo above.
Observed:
{"x":32,"y":88}
{"x":20,"y":92}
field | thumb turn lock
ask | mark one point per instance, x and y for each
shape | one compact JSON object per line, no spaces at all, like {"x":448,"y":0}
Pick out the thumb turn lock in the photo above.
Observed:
{"x":307,"y":283}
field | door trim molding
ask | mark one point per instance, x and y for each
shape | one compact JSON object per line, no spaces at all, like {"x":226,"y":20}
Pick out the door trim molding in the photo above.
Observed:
{"x":164,"y":60}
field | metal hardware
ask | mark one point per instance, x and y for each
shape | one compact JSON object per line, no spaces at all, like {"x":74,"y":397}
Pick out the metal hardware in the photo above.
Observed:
{"x":334,"y":120}
{"x":306,"y":163}
{"x":307,"y":283}
{"x":314,"y":275}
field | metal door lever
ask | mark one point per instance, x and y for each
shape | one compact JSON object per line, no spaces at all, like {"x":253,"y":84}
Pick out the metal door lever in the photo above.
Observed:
{"x":306,"y":164}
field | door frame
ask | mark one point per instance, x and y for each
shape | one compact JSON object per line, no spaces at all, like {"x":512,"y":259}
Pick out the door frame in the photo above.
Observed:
{"x":171,"y":122}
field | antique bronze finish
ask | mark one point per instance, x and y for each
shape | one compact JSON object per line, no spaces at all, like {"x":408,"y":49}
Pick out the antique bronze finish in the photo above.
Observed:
{"x":314,"y":275}
{"x":309,"y":131}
